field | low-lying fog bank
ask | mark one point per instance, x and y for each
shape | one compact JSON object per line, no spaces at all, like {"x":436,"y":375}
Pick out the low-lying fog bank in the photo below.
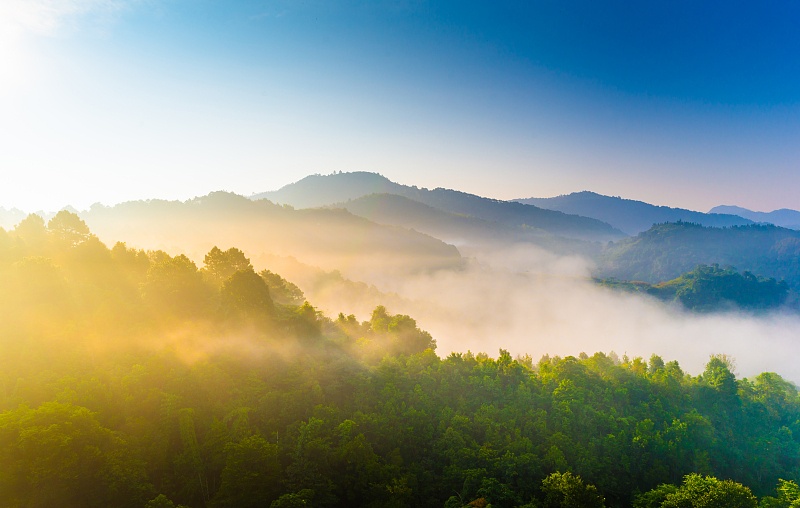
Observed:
{"x":529,"y":301}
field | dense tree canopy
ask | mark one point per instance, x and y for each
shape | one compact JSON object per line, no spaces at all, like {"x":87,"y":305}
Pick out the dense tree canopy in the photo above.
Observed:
{"x":711,"y":288}
{"x":132,"y":378}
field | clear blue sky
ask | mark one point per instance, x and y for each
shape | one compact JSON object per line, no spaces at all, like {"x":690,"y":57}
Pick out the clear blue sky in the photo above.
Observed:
{"x":682,"y":103}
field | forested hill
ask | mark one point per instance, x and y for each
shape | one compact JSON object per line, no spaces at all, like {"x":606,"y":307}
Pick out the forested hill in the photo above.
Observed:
{"x":711,"y":288}
{"x":784,"y":217}
{"x":461,"y":230}
{"x":632,"y":216}
{"x":666,"y":251}
{"x":330,"y":239}
{"x":319,"y":190}
{"x":137,"y":379}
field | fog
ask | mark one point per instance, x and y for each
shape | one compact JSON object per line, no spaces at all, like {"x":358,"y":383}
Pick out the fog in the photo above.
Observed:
{"x":520,"y":298}
{"x":529,"y":301}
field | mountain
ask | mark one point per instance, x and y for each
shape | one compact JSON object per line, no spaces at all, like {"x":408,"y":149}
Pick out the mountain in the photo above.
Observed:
{"x":465,"y":232}
{"x":329,"y":239}
{"x":629,"y":215}
{"x":711,"y":288}
{"x":784,"y":217}
{"x":666,"y":251}
{"x":319,"y":190}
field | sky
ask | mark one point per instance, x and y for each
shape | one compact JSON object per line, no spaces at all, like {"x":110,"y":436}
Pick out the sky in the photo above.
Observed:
{"x":680,"y":103}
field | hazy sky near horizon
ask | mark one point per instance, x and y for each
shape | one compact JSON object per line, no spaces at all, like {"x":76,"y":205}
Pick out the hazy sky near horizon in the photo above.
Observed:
{"x":680,"y":103}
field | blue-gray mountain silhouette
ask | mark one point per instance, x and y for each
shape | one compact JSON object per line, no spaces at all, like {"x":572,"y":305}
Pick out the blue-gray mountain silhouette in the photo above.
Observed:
{"x":629,"y":215}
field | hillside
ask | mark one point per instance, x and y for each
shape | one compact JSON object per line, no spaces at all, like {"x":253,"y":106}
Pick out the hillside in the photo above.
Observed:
{"x":629,"y":215}
{"x":711,"y":288}
{"x":319,"y":190}
{"x":665,"y":251}
{"x":329,"y":239}
{"x":139,"y":379}
{"x":784,"y":217}
{"x":464,"y":231}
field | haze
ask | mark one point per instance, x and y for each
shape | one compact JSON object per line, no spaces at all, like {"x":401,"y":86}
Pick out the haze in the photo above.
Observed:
{"x":521,"y":298}
{"x":681,"y":104}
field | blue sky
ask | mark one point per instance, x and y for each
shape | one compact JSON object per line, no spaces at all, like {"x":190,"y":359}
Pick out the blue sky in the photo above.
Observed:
{"x":680,"y":103}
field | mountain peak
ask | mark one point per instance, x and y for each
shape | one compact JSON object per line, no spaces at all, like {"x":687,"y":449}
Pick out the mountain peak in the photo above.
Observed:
{"x":320,"y":190}
{"x":339,"y":188}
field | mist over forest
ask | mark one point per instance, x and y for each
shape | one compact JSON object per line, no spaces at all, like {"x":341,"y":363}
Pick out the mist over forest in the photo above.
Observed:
{"x":483,"y":280}
{"x":399,"y":254}
{"x":380,"y":351}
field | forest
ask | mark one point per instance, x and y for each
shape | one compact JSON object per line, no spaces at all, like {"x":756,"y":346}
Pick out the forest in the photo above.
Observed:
{"x":711,"y":288}
{"x":668,"y":250}
{"x":139,"y":379}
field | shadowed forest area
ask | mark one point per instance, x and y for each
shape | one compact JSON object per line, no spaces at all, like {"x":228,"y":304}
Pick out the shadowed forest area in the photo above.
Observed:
{"x":137,"y":379}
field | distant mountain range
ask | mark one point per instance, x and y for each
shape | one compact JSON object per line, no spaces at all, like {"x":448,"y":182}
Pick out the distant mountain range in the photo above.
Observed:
{"x":632,"y":216}
{"x":329,"y":239}
{"x":784,"y":217}
{"x":319,"y":190}
{"x":668,"y":242}
{"x":465,"y":232}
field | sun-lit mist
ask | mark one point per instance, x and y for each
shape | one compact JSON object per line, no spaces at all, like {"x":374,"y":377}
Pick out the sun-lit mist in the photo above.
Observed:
{"x":532,"y":302}
{"x":142,"y":369}
{"x":521,"y":298}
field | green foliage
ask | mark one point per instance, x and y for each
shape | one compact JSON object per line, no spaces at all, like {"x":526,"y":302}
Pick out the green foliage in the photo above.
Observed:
{"x":666,"y":251}
{"x":60,"y":455}
{"x":252,"y":474}
{"x":68,"y":228}
{"x":709,"y":492}
{"x":176,"y":285}
{"x":130,"y":378}
{"x":282,"y":291}
{"x":162,"y":501}
{"x":565,"y":490}
{"x":711,"y":288}
{"x":221,"y":265}
{"x":247,"y":294}
{"x":300,"y":499}
{"x":400,"y":332}
{"x":654,"y":498}
{"x":788,"y":496}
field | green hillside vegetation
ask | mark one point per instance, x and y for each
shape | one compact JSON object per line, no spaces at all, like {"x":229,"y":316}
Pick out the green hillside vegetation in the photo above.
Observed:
{"x":666,"y":251}
{"x":319,"y":190}
{"x":632,"y":216}
{"x":711,"y":288}
{"x":134,"y":378}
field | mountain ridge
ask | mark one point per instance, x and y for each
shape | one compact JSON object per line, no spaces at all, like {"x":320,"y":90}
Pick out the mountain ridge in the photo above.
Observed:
{"x":630,"y":215}
{"x":668,"y":250}
{"x":783,"y":217}
{"x":463,"y":231}
{"x":330,"y":239}
{"x":319,"y":190}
